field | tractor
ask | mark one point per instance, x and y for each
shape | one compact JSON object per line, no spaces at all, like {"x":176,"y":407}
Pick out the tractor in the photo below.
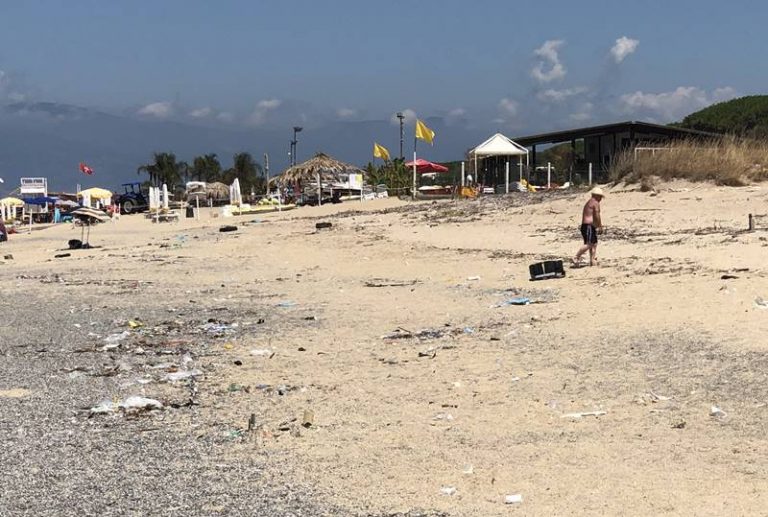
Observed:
{"x":133,"y":199}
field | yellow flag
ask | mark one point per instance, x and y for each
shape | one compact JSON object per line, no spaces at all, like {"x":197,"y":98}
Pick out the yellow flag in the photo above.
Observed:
{"x":423,"y":132}
{"x":379,"y":151}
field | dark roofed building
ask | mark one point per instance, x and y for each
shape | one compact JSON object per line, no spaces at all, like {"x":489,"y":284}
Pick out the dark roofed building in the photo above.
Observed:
{"x":602,"y":143}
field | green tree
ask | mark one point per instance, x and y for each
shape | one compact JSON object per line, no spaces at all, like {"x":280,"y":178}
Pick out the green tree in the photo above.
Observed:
{"x":206,"y":168}
{"x":248,"y":171}
{"x":165,"y":169}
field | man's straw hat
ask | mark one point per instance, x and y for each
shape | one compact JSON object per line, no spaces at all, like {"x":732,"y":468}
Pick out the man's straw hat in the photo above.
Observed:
{"x":597,"y":191}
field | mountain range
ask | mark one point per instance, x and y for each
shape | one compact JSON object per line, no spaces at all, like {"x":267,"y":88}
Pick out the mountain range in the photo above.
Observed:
{"x":47,"y":139}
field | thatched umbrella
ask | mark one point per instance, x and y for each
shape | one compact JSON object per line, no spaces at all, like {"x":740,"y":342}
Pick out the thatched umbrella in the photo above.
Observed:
{"x":217,"y":190}
{"x":323,"y":165}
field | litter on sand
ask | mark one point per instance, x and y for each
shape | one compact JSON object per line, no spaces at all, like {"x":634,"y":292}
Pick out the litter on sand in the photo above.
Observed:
{"x":262,"y":352}
{"x":448,"y":490}
{"x":583,"y":414}
{"x":761,"y":303}
{"x":513,"y":499}
{"x":182,"y":375}
{"x":716,"y":412}
{"x":520,"y":300}
{"x":131,"y":404}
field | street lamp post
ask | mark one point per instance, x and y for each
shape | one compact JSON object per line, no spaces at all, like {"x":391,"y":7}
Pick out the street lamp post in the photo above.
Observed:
{"x":401,"y":117}
{"x":294,"y":143}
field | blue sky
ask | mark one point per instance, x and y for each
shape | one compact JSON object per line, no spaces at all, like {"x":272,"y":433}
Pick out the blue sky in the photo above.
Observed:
{"x":518,"y":66}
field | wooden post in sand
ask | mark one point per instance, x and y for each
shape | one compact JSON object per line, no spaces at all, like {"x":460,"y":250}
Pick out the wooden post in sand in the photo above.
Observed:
{"x":462,"y":174}
{"x":751,"y":223}
{"x":590,"y":173}
{"x":549,"y":175}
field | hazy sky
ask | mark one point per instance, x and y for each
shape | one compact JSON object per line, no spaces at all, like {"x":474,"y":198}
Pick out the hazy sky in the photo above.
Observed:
{"x":514,"y":65}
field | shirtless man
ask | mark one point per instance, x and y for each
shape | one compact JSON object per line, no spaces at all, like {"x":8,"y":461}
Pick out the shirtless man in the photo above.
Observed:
{"x":591,"y":224}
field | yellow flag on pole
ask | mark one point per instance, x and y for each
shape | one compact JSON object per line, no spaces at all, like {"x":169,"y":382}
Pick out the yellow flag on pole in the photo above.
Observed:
{"x":379,"y":151}
{"x":423,"y":132}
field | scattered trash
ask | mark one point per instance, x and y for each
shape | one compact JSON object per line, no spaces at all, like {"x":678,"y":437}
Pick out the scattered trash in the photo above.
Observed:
{"x":520,"y":300}
{"x":14,"y":393}
{"x":182,"y":375}
{"x":448,"y":490}
{"x":228,"y":346}
{"x":468,"y":470}
{"x":401,"y":333}
{"x":322,"y":225}
{"x":263,"y":352}
{"x":137,"y":403}
{"x":728,"y":277}
{"x":116,"y":338}
{"x":583,"y":414}
{"x":716,"y":412}
{"x":131,"y":404}
{"x":547,"y":269}
{"x":135,"y":324}
{"x":234,"y":388}
{"x":381,"y":282}
{"x":213,"y":327}
{"x":228,"y":228}
{"x":287,"y":304}
{"x":679,"y":425}
{"x":513,"y":499}
{"x":661,"y":398}
{"x":308,"y":419}
{"x":8,"y":257}
{"x":760,"y":302}
{"x":473,"y":278}
{"x":62,"y":255}
{"x":447,"y":417}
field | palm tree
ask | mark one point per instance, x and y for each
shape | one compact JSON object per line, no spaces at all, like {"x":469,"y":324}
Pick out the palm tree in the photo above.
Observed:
{"x":247,"y":170}
{"x":165,"y":169}
{"x":206,"y":168}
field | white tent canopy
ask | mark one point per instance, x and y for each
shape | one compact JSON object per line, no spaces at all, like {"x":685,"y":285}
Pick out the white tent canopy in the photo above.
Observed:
{"x":499,"y":145}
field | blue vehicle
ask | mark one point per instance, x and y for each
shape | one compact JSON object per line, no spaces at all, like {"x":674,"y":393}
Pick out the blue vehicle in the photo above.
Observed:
{"x":133,"y":200}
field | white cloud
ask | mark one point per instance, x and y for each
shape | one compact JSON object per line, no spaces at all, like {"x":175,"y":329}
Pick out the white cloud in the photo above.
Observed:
{"x":409,"y":117}
{"x":346,"y":113}
{"x":552,"y":95}
{"x":508,"y":107}
{"x":225,"y":116}
{"x":623,"y":47}
{"x":583,"y":114}
{"x":675,"y":104}
{"x":201,"y":112}
{"x":263,"y":107}
{"x":157,"y":110}
{"x":549,"y":54}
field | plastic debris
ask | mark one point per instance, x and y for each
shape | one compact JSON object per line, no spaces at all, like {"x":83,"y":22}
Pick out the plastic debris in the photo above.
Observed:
{"x":761,"y":303}
{"x":473,"y":278}
{"x":520,"y":300}
{"x":513,"y":499}
{"x":262,"y":352}
{"x":287,"y":304}
{"x":182,"y":375}
{"x":308,"y":419}
{"x":135,"y":324}
{"x":583,"y":414}
{"x":116,"y":338}
{"x":448,"y":490}
{"x":716,"y":412}
{"x":137,"y":403}
{"x":444,"y":416}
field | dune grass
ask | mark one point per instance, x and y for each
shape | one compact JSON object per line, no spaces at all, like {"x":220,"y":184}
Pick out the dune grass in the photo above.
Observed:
{"x":730,"y":161}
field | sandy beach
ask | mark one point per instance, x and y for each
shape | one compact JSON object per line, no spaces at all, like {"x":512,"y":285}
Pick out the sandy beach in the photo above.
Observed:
{"x":376,"y":368}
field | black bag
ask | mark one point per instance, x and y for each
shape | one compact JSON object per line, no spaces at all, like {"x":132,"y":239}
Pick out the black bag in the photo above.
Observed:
{"x":547,"y":269}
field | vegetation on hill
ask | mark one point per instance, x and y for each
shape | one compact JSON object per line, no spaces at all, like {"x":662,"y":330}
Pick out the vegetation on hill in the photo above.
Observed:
{"x":746,"y":116}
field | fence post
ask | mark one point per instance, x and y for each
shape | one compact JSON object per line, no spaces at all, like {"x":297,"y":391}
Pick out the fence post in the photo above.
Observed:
{"x":590,"y":173}
{"x":549,"y":175}
{"x":506,"y":179}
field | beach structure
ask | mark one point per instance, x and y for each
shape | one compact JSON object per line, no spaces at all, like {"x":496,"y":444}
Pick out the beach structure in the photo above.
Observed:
{"x":316,"y":171}
{"x":94,"y":196}
{"x":498,"y":154}
{"x":602,"y":143}
{"x":424,"y":167}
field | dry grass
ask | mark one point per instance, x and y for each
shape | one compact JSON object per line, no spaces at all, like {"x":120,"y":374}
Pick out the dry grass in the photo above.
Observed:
{"x":731,"y":161}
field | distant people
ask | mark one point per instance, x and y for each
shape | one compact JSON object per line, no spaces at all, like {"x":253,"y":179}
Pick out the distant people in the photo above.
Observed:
{"x":57,"y":215}
{"x":3,"y":231}
{"x":591,"y":224}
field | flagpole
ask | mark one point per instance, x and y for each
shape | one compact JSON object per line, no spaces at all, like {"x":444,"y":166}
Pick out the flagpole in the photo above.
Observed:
{"x":414,"y":167}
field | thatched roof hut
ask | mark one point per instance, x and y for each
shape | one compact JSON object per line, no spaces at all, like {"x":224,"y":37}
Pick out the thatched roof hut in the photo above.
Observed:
{"x":328,"y":168}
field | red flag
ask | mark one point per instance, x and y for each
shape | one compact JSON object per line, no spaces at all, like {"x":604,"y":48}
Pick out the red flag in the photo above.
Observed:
{"x":85,"y":169}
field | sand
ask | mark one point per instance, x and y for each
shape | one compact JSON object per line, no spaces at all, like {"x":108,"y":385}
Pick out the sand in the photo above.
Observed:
{"x":654,"y":338}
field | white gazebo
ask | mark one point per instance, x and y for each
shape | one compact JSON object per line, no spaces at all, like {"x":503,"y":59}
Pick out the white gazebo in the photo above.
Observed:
{"x":499,"y":146}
